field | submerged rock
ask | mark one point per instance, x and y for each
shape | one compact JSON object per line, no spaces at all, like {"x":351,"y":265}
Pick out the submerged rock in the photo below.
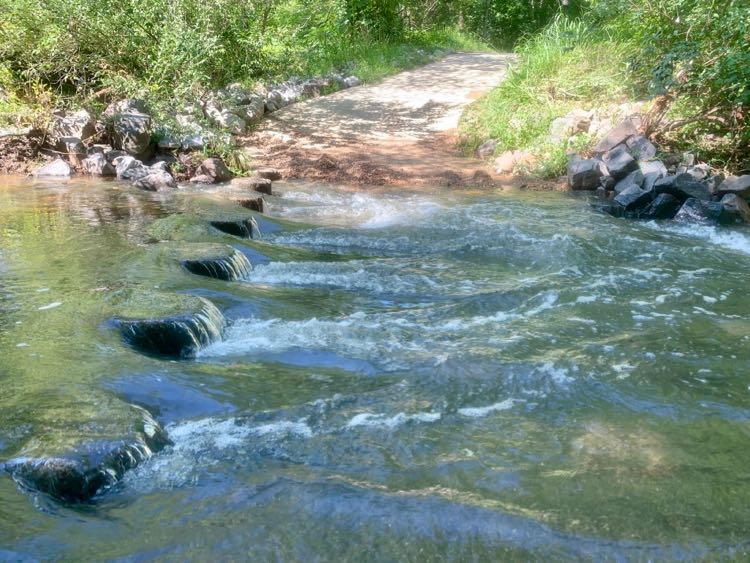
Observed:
{"x":221,"y":262}
{"x":89,"y":469}
{"x":174,"y":326}
{"x":58,"y":168}
{"x":243,"y":228}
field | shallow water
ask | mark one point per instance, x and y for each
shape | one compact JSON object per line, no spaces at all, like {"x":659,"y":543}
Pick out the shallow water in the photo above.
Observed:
{"x":411,"y":377}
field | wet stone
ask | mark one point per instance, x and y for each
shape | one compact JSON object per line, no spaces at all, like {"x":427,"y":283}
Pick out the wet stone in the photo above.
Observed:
{"x":633,"y":197}
{"x":253,"y":204}
{"x":188,"y":324}
{"x":220,"y":262}
{"x":79,"y":475}
{"x":664,"y":206}
{"x":243,"y":228}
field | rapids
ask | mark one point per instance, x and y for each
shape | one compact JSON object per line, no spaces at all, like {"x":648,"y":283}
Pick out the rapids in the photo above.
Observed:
{"x":411,"y":376}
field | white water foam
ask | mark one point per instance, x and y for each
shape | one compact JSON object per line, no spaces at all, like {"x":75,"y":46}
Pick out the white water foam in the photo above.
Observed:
{"x":722,"y":237}
{"x":480,"y":412}
{"x":384,"y":421}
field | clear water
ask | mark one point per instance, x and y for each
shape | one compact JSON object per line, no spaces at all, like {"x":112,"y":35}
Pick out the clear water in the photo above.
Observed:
{"x":404,"y":377}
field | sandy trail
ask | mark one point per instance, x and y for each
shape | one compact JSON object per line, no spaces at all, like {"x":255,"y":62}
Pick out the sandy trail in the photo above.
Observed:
{"x":400,"y":131}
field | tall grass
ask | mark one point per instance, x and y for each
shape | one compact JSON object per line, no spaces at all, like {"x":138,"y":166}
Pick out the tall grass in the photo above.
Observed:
{"x":569,"y":65}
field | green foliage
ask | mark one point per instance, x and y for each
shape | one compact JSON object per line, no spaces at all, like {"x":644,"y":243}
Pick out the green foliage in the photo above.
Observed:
{"x":568,"y":65}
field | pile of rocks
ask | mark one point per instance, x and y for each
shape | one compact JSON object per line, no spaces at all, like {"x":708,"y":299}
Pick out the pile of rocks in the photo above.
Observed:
{"x":633,"y":183}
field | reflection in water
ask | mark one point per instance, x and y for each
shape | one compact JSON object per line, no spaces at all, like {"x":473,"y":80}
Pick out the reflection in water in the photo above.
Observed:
{"x":410,"y":376}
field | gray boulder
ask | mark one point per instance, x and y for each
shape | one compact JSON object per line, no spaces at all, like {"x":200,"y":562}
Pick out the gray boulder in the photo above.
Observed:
{"x":635,"y":178}
{"x":682,"y":187}
{"x":486,"y":149}
{"x":664,"y":206}
{"x":651,"y":166}
{"x":737,"y":206}
{"x":620,"y":163}
{"x":130,"y":168}
{"x":97,"y":165}
{"x":616,"y":136}
{"x":58,"y":168}
{"x":711,"y":212}
{"x":737,"y":185}
{"x":585,"y":174}
{"x":132,"y":133}
{"x":632,"y":198}
{"x":640,"y":147}
{"x":79,"y":124}
{"x":650,"y":179}
{"x":216,"y":169}
{"x":202,"y":179}
{"x":156,"y":180}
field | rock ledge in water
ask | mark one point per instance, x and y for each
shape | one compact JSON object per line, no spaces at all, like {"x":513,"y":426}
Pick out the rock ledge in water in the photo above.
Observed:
{"x":174,"y":326}
{"x":218,"y":261}
{"x":82,"y":474}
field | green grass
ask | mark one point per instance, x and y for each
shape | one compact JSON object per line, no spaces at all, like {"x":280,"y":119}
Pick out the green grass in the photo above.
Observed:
{"x":566,"y":66}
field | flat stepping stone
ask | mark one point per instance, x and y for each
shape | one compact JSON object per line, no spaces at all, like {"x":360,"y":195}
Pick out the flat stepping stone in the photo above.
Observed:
{"x":83,"y":472}
{"x":218,"y":261}
{"x":243,"y":227}
{"x":173,"y":326}
{"x":253,"y":204}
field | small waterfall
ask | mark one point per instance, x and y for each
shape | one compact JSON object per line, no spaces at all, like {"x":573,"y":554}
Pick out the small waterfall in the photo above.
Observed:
{"x":179,"y":336}
{"x":235,"y":266}
{"x":78,"y":478}
{"x":243,"y":228}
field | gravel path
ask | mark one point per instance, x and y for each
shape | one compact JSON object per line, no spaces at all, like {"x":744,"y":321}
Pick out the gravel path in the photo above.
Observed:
{"x":400,"y":131}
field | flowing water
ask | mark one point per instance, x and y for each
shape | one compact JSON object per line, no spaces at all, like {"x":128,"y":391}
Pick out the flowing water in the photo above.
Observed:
{"x":402,"y":377}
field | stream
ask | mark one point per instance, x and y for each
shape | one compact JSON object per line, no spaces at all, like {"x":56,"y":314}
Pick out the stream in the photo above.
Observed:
{"x":403,"y":376}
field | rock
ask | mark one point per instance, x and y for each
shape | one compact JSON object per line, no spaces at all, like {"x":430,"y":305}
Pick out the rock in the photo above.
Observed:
{"x":682,"y":187}
{"x":253,"y":204}
{"x":156,"y":180}
{"x":640,"y":147}
{"x":632,"y":198}
{"x":97,"y":165}
{"x":216,"y":169}
{"x":601,"y":192}
{"x":226,"y":119}
{"x":58,"y":168}
{"x":506,"y":162}
{"x":576,"y":121}
{"x":268,"y":173}
{"x":256,"y":183}
{"x":241,"y":102}
{"x":351,"y":82}
{"x":699,"y":172}
{"x":113,"y":155}
{"x":650,"y":179}
{"x":616,"y":136}
{"x":243,"y":228}
{"x":607,"y":182}
{"x":714,"y":182}
{"x":89,"y":469}
{"x":737,"y":206}
{"x":220,"y":262}
{"x":620,"y":163}
{"x":183,"y":324}
{"x":79,"y":124}
{"x":130,"y":168}
{"x":635,"y":178}
{"x":125,"y":106}
{"x":585,"y":174}
{"x":614,"y":209}
{"x":486,"y":149}
{"x":132,"y":133}
{"x":73,"y":147}
{"x":713,"y":212}
{"x":664,"y":206}
{"x":737,"y":185}
{"x":651,"y":166}
{"x":688,"y":159}
{"x":98,"y":149}
{"x":202,"y":179}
